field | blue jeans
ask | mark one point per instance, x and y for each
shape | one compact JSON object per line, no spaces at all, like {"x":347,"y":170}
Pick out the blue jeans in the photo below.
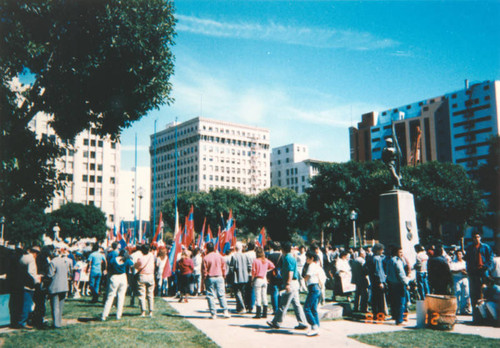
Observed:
{"x":422,"y":285}
{"x":274,"y":291}
{"x":215,"y":288}
{"x":94,"y":282}
{"x":397,"y":298}
{"x":311,"y":305}
{"x":27,"y":306}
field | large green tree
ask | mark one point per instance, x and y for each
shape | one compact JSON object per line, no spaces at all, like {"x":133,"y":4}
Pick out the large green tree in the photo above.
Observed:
{"x":444,"y":193}
{"x":280,"y":210}
{"x":101,"y":64}
{"x":340,"y":188}
{"x":77,"y":220}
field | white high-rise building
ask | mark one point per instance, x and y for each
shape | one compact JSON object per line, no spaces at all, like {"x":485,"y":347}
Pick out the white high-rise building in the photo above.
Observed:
{"x":211,"y":154}
{"x":134,"y":196}
{"x":292,"y":168}
{"x":92,"y":168}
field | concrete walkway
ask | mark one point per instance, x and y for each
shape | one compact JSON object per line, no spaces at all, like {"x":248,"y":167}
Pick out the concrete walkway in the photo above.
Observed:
{"x":242,"y":331}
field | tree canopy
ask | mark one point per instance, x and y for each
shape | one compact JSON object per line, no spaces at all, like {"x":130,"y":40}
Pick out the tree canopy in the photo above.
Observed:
{"x":77,"y":220}
{"x":101,"y":64}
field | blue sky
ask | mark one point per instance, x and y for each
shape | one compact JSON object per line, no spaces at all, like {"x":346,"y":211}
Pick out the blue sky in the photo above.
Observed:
{"x":307,"y":70}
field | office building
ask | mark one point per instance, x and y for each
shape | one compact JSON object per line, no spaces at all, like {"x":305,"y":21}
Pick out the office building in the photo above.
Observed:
{"x":134,"y":196}
{"x":292,"y":168}
{"x":91,"y":166}
{"x":454,"y":127}
{"x":210,"y":154}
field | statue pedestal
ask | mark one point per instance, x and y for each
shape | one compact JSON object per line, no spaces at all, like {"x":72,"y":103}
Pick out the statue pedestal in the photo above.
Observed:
{"x":398,"y":223}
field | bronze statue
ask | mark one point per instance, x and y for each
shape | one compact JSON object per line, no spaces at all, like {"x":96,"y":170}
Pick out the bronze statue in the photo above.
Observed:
{"x":391,"y":155}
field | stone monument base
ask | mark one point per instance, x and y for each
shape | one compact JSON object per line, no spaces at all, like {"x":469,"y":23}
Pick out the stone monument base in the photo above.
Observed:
{"x":398,"y":223}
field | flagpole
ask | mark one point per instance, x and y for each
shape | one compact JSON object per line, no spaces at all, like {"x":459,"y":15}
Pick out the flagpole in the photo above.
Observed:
{"x":135,"y":188}
{"x":154,"y":177}
{"x":175,"y":184}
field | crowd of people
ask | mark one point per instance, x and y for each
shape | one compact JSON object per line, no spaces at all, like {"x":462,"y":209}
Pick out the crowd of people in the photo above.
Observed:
{"x":376,"y":282}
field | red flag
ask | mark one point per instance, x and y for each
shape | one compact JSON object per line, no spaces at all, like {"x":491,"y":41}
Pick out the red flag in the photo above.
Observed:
{"x":167,"y":271}
{"x":160,"y":226}
{"x":190,"y":227}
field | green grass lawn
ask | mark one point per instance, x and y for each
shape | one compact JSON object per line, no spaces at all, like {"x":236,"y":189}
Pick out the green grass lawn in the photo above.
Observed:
{"x":84,"y":329}
{"x":426,"y":338}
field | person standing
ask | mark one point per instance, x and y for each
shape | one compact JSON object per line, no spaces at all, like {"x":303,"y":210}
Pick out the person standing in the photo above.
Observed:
{"x":397,"y":282}
{"x":290,"y":276}
{"x":249,"y":292}
{"x":40,"y":295}
{"x":213,"y":269}
{"x":97,"y":262}
{"x":440,"y":279}
{"x":197,"y":260}
{"x":145,"y":267}
{"x":275,"y":278}
{"x":301,"y":262}
{"x":377,"y":276}
{"x":360,"y":279}
{"x":59,"y":271}
{"x":118,"y":268}
{"x":421,"y":271}
{"x":460,"y":283}
{"x":315,"y":279}
{"x":185,"y":266}
{"x":29,"y":280}
{"x":260,"y":267}
{"x":479,"y":259}
{"x":239,"y":265}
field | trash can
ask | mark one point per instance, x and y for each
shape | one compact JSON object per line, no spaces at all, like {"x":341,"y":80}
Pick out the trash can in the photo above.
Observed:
{"x":441,"y":311}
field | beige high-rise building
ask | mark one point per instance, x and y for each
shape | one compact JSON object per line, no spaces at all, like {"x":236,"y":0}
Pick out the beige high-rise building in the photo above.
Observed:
{"x":211,"y":154}
{"x":92,"y":167}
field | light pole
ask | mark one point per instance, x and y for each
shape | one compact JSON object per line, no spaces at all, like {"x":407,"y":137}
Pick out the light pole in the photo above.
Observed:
{"x":141,"y":194}
{"x":2,"y":222}
{"x":56,"y":231}
{"x":353,"y":217}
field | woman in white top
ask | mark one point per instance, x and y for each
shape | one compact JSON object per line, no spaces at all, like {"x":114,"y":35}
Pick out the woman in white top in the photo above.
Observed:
{"x":314,"y":278}
{"x":461,"y":283}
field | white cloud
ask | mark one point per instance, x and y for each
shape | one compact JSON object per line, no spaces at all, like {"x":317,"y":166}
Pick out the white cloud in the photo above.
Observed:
{"x":274,"y":32}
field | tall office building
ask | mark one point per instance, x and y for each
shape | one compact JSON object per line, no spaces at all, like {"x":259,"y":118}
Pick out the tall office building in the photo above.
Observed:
{"x":211,"y":154}
{"x":292,"y":168}
{"x":454,"y":128}
{"x":92,"y":167}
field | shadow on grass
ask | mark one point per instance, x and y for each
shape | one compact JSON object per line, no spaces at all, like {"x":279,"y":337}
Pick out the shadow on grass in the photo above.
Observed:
{"x":173,"y":315}
{"x":88,"y":320}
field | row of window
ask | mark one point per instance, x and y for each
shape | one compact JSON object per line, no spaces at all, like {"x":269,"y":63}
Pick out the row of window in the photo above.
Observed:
{"x":96,"y":178}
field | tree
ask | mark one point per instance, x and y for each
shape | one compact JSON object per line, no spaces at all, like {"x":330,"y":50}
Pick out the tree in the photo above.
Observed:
{"x":340,"y":188}
{"x":280,"y":210}
{"x":101,"y":64}
{"x":25,"y":222}
{"x":444,"y":193}
{"x":77,"y":220}
{"x":487,"y":176}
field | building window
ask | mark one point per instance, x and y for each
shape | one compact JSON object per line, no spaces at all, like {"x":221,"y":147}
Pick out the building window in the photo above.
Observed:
{"x":85,"y":141}
{"x":92,"y":166}
{"x":91,"y":191}
{"x":85,"y":178}
{"x":92,"y":154}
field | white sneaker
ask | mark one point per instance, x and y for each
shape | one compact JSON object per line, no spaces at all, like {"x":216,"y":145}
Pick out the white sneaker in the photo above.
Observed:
{"x":226,"y":314}
{"x":143,"y":314}
{"x":213,"y":316}
{"x":312,"y":333}
{"x":150,"y":314}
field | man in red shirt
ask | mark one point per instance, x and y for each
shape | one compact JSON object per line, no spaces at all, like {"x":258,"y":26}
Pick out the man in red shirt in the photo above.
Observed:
{"x":213,"y":270}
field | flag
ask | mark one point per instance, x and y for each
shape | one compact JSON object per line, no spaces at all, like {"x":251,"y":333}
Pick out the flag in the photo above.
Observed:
{"x":160,"y":227}
{"x":201,"y":238}
{"x":121,"y":237}
{"x":190,"y":227}
{"x":167,"y":270}
{"x":208,"y":237}
{"x":176,"y":247}
{"x":261,"y":240}
{"x":217,"y":241}
{"x":229,"y":238}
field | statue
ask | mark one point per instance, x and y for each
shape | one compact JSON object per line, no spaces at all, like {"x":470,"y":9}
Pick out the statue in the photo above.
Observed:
{"x":391,"y":155}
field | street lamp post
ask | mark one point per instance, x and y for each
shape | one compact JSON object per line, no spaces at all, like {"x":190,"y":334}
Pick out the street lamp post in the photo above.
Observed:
{"x":141,"y":194}
{"x":56,"y":231}
{"x":354,"y":216}
{"x":2,"y":222}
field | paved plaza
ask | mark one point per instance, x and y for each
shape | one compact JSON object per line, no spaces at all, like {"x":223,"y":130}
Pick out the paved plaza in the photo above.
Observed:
{"x":242,"y":331}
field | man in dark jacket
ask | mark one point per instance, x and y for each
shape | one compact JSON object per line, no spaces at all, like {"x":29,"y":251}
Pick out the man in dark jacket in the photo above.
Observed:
{"x":440,"y":278}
